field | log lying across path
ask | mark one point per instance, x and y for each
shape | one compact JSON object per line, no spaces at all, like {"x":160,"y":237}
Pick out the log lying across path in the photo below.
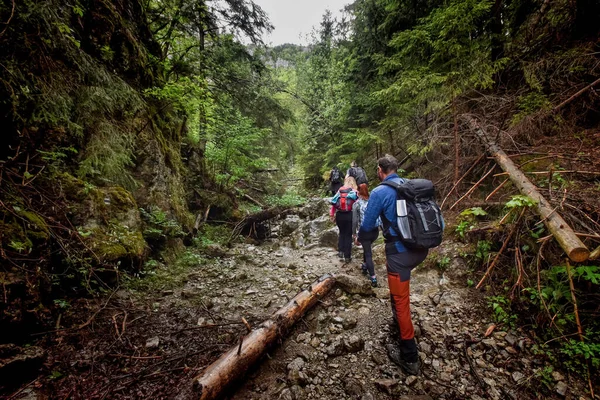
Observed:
{"x":562,"y":232}
{"x":250,"y":220}
{"x":231,"y":366}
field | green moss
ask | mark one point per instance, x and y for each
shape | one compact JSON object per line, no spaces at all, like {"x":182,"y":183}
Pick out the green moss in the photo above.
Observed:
{"x":120,"y":197}
{"x":37,"y":227}
{"x":116,"y":243}
{"x":111,"y":251}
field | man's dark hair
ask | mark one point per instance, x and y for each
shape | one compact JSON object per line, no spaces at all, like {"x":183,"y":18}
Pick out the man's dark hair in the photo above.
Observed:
{"x":388,"y":163}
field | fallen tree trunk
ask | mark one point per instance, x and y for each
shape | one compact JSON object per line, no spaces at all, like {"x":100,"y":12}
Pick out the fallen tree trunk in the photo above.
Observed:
{"x":232,"y":365}
{"x":562,"y":232}
{"x":250,"y":220}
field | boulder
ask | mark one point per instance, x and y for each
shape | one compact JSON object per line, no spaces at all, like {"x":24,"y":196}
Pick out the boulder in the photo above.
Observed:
{"x":329,"y":238}
{"x":108,"y":219}
{"x":289,"y":225}
{"x":314,"y":208}
{"x":354,"y":284}
{"x":316,"y":226}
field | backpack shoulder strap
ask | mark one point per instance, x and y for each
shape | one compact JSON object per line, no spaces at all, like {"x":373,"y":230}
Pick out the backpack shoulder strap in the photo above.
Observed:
{"x":391,"y":184}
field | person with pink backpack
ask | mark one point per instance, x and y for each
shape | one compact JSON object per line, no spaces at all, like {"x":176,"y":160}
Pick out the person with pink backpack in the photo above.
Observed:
{"x":341,"y":213}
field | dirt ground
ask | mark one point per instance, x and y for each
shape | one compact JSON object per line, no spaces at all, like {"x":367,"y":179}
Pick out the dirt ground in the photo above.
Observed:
{"x":149,"y":341}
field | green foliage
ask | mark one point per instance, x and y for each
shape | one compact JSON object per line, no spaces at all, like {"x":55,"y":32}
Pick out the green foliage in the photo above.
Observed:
{"x":159,"y":225}
{"x":462,"y":227}
{"x":519,"y":200}
{"x":474,"y":211}
{"x":212,"y":234}
{"x":289,"y":199}
{"x":545,"y":376}
{"x":578,"y":353}
{"x":61,"y":303}
{"x":500,"y":306}
{"x":467,"y":219}
{"x":483,"y":249}
{"x":530,"y":104}
{"x":589,"y":273}
{"x":443,"y":263}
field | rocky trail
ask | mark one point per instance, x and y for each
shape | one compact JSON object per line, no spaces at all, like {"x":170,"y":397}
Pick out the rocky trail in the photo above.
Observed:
{"x":151,"y":344}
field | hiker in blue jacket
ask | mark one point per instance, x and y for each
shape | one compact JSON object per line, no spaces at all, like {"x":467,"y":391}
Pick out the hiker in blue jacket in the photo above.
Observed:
{"x":400,"y":262}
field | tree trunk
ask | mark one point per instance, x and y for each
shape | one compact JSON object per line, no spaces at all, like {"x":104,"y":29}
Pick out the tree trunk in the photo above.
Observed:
{"x":232,"y":365}
{"x":562,"y":232}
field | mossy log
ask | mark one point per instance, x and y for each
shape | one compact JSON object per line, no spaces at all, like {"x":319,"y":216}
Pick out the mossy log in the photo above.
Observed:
{"x":231,"y":366}
{"x":562,"y":232}
{"x":250,"y":221}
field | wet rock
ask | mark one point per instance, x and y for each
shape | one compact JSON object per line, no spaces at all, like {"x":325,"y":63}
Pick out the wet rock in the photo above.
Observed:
{"x":386,"y":385}
{"x":329,"y":238}
{"x":18,"y":363}
{"x":416,"y":397}
{"x":561,"y":388}
{"x":367,"y":396}
{"x":152,"y":342}
{"x":354,"y":284}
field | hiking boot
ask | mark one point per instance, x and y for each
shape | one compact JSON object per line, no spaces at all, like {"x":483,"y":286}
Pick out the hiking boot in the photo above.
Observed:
{"x":340,"y":255}
{"x":347,"y":260}
{"x":373,"y":281}
{"x":395,"y":355}
{"x":364,"y":269}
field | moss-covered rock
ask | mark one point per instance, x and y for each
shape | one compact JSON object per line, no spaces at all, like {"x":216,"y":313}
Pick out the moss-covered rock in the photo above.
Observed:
{"x":108,"y":219}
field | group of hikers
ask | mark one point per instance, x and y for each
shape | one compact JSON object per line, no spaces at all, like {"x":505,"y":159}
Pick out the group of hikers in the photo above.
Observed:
{"x":411,"y":222}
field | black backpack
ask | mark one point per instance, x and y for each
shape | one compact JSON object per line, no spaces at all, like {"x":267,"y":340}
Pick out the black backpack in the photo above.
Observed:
{"x":336,"y":176}
{"x":419,"y":218}
{"x":359,"y":175}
